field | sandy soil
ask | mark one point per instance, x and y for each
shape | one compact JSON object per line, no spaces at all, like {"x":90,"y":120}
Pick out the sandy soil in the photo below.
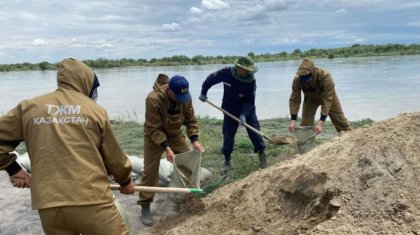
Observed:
{"x":17,"y":217}
{"x":366,"y":181}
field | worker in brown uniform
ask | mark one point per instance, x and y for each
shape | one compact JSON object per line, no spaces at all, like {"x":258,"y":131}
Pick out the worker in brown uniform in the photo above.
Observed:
{"x":72,"y":151}
{"x":318,"y":88}
{"x":168,"y":108}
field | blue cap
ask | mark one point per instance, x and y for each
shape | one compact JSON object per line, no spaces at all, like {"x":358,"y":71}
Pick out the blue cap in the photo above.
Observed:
{"x":179,"y":85}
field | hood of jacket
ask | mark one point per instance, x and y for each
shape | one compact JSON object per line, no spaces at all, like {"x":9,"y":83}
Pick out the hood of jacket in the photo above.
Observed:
{"x":74,"y":75}
{"x":161,"y":85}
{"x":307,"y":66}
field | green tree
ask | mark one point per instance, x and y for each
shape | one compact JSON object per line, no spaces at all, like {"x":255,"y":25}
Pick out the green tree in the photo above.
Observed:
{"x":297,"y":52}
{"x":44,"y":65}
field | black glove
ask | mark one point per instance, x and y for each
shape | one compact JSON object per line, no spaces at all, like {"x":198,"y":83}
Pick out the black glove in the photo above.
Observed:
{"x":203,"y":98}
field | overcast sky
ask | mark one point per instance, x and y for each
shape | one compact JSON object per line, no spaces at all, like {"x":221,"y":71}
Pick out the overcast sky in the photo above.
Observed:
{"x":49,"y":30}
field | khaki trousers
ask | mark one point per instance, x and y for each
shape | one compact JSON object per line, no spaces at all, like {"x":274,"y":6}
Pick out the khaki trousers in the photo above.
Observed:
{"x":336,"y":114}
{"x":101,"y":219}
{"x":152,"y":155}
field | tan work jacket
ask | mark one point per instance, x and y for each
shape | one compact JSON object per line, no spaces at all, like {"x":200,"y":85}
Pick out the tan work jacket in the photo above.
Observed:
{"x":320,"y":89}
{"x":164,"y":118}
{"x":69,"y":140}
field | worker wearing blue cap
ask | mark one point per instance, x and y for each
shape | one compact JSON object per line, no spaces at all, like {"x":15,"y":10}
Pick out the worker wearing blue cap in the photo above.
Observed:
{"x":168,"y":108}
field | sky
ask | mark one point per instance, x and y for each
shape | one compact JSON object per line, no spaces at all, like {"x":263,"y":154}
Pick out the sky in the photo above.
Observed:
{"x":50,"y":30}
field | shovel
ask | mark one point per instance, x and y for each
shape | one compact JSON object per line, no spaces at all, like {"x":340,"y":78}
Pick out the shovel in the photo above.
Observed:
{"x":276,"y":140}
{"x":197,"y":192}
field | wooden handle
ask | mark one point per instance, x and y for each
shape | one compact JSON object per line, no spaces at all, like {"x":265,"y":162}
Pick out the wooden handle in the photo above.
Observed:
{"x":155,"y":189}
{"x":239,"y":120}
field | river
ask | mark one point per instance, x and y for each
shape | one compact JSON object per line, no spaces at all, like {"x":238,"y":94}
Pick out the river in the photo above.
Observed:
{"x":368,"y":87}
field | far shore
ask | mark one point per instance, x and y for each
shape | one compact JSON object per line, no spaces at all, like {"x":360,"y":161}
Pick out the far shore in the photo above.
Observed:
{"x":355,"y":50}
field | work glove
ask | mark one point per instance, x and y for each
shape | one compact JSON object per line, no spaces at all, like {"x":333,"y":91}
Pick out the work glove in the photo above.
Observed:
{"x":242,"y":118}
{"x":203,"y":98}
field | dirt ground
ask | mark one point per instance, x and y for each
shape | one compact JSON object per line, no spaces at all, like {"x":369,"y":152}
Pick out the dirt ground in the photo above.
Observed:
{"x":366,"y":181}
{"x":17,"y":217}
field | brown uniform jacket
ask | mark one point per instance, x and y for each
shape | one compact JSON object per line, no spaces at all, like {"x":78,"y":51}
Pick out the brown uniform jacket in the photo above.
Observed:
{"x":69,"y":140}
{"x":319,"y":89}
{"x":164,"y":118}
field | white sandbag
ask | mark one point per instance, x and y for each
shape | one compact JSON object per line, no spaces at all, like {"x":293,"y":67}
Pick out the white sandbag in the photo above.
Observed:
{"x":205,"y":175}
{"x":165,"y":169}
{"x":24,"y":161}
{"x":137,"y":164}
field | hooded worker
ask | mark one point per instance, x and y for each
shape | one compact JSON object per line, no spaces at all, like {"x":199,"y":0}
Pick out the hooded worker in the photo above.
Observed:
{"x":168,"y":108}
{"x":318,"y":88}
{"x":72,"y":150}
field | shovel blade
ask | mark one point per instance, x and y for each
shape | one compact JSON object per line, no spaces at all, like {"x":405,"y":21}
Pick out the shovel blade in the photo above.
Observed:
{"x":283,"y":139}
{"x":210,"y":188}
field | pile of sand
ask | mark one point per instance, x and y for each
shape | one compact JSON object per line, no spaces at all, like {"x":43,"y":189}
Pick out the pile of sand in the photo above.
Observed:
{"x":366,"y":181}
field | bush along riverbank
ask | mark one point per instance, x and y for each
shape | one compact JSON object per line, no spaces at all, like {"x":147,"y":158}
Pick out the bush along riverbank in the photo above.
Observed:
{"x":355,"y":50}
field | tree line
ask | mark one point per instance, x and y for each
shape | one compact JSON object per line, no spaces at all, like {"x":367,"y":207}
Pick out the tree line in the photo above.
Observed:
{"x":356,"y":50}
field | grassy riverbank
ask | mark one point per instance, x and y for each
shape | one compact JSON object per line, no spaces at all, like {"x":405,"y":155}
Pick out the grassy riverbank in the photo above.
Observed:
{"x":130,"y":136}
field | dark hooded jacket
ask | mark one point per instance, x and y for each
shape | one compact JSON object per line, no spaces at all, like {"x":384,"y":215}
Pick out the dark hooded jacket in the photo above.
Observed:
{"x":320,"y":89}
{"x":238,"y":93}
{"x":69,"y":140}
{"x":164,"y":118}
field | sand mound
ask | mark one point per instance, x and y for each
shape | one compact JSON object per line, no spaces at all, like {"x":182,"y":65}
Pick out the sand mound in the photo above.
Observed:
{"x":366,"y":181}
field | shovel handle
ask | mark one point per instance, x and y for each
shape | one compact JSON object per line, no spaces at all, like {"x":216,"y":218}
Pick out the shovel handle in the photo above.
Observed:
{"x":160,"y":189}
{"x":238,"y":120}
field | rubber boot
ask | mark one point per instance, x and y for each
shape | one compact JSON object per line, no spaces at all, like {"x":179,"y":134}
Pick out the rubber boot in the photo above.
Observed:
{"x":227,"y":165}
{"x":146,"y":216}
{"x":263,"y":160}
